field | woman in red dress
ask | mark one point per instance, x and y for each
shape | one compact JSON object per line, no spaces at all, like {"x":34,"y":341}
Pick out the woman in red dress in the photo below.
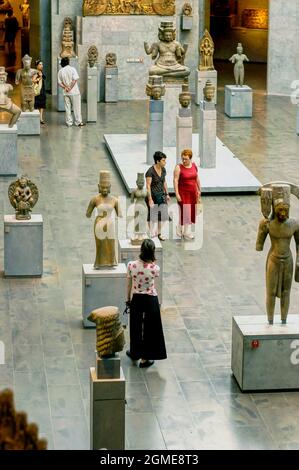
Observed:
{"x":187,"y":191}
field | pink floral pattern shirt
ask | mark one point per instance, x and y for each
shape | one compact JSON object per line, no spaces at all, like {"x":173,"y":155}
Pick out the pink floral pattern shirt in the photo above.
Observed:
{"x":143,"y":277}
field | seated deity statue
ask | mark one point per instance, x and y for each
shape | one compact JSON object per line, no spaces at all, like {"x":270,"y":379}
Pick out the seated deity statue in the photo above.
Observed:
{"x":6,"y":103}
{"x":23,"y":195}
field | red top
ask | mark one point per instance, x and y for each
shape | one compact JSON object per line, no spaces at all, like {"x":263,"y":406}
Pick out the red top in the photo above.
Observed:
{"x":188,"y":184}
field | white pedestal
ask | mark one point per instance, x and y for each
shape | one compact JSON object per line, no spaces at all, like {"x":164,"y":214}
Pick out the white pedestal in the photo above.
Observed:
{"x":298,"y":120}
{"x":23,"y":246}
{"x":8,"y":150}
{"x":154,"y":141}
{"x":171,"y":110}
{"x":201,"y":77}
{"x":74,"y":62}
{"x":184,"y":124}
{"x":265,"y":357}
{"x":92,"y":94}
{"x":102,"y":287}
{"x":107,"y":412}
{"x":207,"y":135}
{"x":238,"y":101}
{"x":111,"y":84}
{"x":29,"y":123}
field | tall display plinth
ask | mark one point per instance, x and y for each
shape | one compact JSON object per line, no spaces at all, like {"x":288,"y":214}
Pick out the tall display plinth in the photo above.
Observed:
{"x":171,"y":109}
{"x":184,"y":124}
{"x":92,"y":94}
{"x":107,"y":411}
{"x":8,"y":150}
{"x":207,"y":135}
{"x":128,"y":252}
{"x":154,"y":141}
{"x":111,"y":84}
{"x":29,"y":123}
{"x":74,"y":62}
{"x":23,"y":246}
{"x":298,"y":120}
{"x":102,"y":287}
{"x":201,"y":77}
{"x":265,"y":357}
{"x":238,"y":101}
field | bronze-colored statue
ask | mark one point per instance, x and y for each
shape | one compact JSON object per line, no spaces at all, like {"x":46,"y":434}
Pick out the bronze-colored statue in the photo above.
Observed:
{"x":128,"y":7}
{"x":238,"y":59}
{"x":15,"y":432}
{"x":111,"y":59}
{"x":155,"y":88}
{"x":110,"y":333}
{"x":23,"y":195}
{"x":187,"y":9}
{"x":6,"y":103}
{"x":206,"y":52}
{"x":275,"y":203}
{"x":138,"y":197}
{"x":209,"y":91}
{"x":24,"y":77}
{"x":67,"y":43}
{"x":185,"y":96}
{"x":169,"y":54}
{"x":92,"y":55}
{"x":104,"y":234}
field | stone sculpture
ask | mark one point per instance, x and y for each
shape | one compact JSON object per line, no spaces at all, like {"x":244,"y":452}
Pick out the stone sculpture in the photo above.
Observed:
{"x":128,"y":7}
{"x":206,"y":52}
{"x":67,"y":43}
{"x":238,"y":59}
{"x":275,"y":204}
{"x":25,"y":9}
{"x":185,"y":96}
{"x":209,"y":91}
{"x":155,"y":88}
{"x":104,"y":234}
{"x":111,"y":59}
{"x":23,"y":195}
{"x":24,"y":77}
{"x":15,"y":432}
{"x":92,"y":56}
{"x":187,"y":9}
{"x":110,"y":333}
{"x":6,"y":103}
{"x":138,"y":197}
{"x":169,"y":54}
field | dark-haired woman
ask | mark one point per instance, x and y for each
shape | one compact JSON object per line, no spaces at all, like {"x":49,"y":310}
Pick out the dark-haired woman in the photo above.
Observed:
{"x":39,"y":81}
{"x":146,"y":333}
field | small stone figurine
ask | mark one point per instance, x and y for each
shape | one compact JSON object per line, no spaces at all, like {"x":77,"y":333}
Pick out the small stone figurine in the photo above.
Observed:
{"x":6,"y":103}
{"x":110,"y":333}
{"x":206,"y":52}
{"x":23,"y":195}
{"x":67,"y":43}
{"x":111,"y":59}
{"x":185,"y":96}
{"x":187,"y":9}
{"x":140,"y":211}
{"x":238,"y":59}
{"x":209,"y":91}
{"x":155,"y":87}
{"x":275,"y":204}
{"x":92,"y":55}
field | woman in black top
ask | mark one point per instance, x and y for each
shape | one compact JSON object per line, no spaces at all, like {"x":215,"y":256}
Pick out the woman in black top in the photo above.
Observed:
{"x":157,"y":194}
{"x":40,"y":100}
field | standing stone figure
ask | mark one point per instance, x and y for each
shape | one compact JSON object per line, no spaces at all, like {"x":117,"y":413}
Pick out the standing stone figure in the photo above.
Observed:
{"x":238,"y":59}
{"x":185,"y":96}
{"x":6,"y":103}
{"x":92,"y":56}
{"x":23,"y":195}
{"x":110,"y":333}
{"x":138,"y":197}
{"x":25,"y":9}
{"x":275,"y":203}
{"x":104,"y":234}
{"x":206,"y":52}
{"x":24,"y":77}
{"x":155,"y":88}
{"x":169,"y":54}
{"x":67,"y":43}
{"x":111,"y":59}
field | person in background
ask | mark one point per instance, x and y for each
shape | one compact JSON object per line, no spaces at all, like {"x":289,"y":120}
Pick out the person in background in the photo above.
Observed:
{"x":68,"y":80}
{"x":11,"y":28}
{"x":39,"y":81}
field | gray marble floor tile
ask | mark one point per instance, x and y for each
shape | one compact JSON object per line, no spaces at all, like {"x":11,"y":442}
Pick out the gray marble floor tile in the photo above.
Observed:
{"x":65,"y":400}
{"x":143,"y":431}
{"x":70,"y":433}
{"x":61,"y":371}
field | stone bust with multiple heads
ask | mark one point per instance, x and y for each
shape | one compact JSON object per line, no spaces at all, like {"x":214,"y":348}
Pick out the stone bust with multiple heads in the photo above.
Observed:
{"x":155,"y":88}
{"x":185,"y":96}
{"x":6,"y":103}
{"x":238,"y":59}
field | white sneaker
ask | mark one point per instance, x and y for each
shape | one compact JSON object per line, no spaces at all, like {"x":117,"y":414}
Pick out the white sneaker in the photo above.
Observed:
{"x":179,"y":231}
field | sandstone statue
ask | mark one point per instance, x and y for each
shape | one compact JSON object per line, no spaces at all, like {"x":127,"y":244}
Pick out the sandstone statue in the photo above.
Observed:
{"x":6,"y":103}
{"x":238,"y":59}
{"x":110,"y":333}
{"x":138,"y":197}
{"x":23,"y":195}
{"x":155,"y":88}
{"x":67,"y":42}
{"x":206,"y":52}
{"x":92,"y":56}
{"x":24,"y":78}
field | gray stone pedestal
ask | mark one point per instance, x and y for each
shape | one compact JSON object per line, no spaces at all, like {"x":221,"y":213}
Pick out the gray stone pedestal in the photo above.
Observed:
{"x":238,"y":101}
{"x":128,"y":252}
{"x":201,"y":77}
{"x":184,"y":124}
{"x":155,"y":129}
{"x":23,"y":246}
{"x":186,"y":22}
{"x":107,"y":412}
{"x":171,"y":110}
{"x":298,"y":120}
{"x":74,"y":62}
{"x":111,"y":84}
{"x":207,"y":135}
{"x":108,"y":368}
{"x":8,"y":150}
{"x":92,"y":94}
{"x":29,"y":123}
{"x":102,"y":287}
{"x":265,"y":357}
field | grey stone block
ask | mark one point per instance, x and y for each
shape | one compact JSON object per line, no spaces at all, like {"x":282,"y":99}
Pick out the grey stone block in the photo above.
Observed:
{"x":183,"y":135}
{"x":186,"y":22}
{"x":108,"y":368}
{"x":185,"y":112}
{"x":207,"y":137}
{"x":29,"y":123}
{"x":171,"y":110}
{"x":8,"y":150}
{"x":201,"y":77}
{"x":298,"y":120}
{"x":92,"y":94}
{"x":23,"y":246}
{"x":155,"y":129}
{"x":111,"y":84}
{"x":238,"y":101}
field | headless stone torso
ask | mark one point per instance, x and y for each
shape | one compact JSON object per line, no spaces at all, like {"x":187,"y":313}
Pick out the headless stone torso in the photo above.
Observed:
{"x":24,"y":77}
{"x":5,"y":101}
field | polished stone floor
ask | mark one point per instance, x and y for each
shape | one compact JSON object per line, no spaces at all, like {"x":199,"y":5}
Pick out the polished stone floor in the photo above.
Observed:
{"x":190,"y":400}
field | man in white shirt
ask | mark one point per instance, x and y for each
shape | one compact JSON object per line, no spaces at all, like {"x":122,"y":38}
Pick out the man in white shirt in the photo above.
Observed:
{"x":68,"y":80}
